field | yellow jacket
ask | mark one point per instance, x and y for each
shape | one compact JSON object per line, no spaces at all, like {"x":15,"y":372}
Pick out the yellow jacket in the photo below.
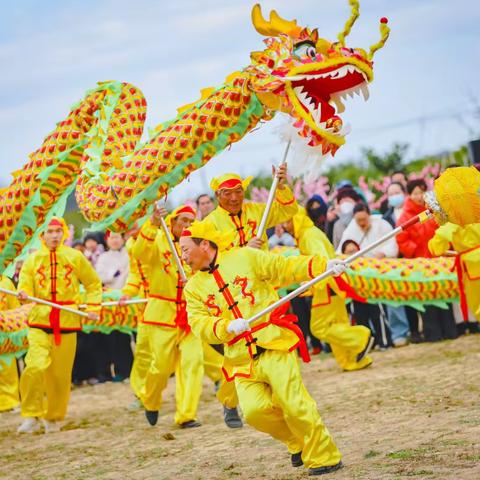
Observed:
{"x":56,"y":276}
{"x":7,"y":302}
{"x":152,"y":249}
{"x":137,"y":283}
{"x":250,"y":275}
{"x":245,"y":226}
{"x":312,"y":241}
{"x":464,"y":240}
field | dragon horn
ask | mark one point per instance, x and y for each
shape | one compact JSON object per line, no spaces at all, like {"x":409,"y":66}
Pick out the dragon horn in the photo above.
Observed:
{"x":275,"y":26}
{"x":384,"y":32}
{"x":355,"y":6}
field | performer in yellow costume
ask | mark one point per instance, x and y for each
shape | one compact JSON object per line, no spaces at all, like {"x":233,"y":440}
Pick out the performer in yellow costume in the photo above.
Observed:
{"x":243,"y":218}
{"x":9,"y":398}
{"x":232,"y":285}
{"x":466,"y":242}
{"x":329,"y":319}
{"x":137,"y":285}
{"x":172,"y":345}
{"x":53,"y":273}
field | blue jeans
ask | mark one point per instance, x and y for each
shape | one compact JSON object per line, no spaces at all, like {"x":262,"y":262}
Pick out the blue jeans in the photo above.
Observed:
{"x":398,"y":320}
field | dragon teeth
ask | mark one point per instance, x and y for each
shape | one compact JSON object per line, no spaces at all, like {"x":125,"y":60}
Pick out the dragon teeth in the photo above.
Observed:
{"x":365,"y":92}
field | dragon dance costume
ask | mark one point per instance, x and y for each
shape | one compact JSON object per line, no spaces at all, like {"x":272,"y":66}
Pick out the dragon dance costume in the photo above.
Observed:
{"x":54,"y":275}
{"x":9,"y":398}
{"x":329,"y":319}
{"x":172,"y":346}
{"x":466,"y":242}
{"x":262,"y":362}
{"x":137,"y":284}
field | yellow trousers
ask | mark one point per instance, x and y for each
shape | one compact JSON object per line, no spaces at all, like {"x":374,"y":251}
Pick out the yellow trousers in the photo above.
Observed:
{"x":274,"y":400}
{"x":46,"y":381}
{"x":330,"y":323}
{"x":472,"y":289}
{"x":141,"y":360}
{"x":9,"y":386}
{"x":174,"y":351}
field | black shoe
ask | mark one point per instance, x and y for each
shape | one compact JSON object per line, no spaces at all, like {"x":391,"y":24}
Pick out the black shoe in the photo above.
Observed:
{"x":416,"y":337}
{"x":190,"y":424}
{"x":152,"y":416}
{"x":232,"y":418}
{"x":323,"y":470}
{"x":367,"y":349}
{"x":297,"y":459}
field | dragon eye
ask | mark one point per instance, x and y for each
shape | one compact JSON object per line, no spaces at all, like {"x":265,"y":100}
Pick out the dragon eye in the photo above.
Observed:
{"x":305,"y":50}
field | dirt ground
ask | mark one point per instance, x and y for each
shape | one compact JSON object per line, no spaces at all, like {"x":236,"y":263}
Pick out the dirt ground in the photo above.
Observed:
{"x":414,"y":414}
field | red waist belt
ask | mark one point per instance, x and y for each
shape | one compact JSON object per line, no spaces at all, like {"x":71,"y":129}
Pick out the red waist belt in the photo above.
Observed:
{"x":181,"y":318}
{"x":281,"y":318}
{"x":54,"y":318}
{"x":460,"y":268}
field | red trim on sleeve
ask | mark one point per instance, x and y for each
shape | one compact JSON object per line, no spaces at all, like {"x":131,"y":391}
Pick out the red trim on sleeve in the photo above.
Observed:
{"x":147,"y":238}
{"x":310,"y":268}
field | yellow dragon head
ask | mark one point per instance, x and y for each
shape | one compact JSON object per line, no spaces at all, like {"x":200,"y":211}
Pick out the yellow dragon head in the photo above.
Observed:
{"x":308,"y":77}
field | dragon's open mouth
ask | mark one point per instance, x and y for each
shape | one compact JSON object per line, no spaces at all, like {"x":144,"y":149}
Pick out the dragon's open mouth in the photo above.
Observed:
{"x":321,"y":93}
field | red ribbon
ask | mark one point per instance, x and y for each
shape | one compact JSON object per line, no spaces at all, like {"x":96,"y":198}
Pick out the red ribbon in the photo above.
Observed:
{"x":348,"y":289}
{"x":281,"y":318}
{"x":54,"y":318}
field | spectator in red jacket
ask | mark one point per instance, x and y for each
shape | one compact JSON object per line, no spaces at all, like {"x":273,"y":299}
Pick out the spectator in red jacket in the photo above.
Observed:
{"x":438,"y":324}
{"x":413,"y":242}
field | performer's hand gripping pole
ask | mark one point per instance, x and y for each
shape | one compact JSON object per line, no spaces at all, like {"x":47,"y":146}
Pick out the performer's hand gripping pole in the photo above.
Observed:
{"x":271,"y":197}
{"x":420,"y":218}
{"x":45,"y":302}
{"x":178,"y":262}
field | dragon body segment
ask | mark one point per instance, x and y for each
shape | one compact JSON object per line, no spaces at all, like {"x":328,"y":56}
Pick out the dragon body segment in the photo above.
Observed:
{"x":96,"y":150}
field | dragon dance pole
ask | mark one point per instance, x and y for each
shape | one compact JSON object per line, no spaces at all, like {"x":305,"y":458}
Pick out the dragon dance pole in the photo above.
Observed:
{"x":178,"y":262}
{"x":420,"y":218}
{"x":45,"y":302}
{"x":271,"y":197}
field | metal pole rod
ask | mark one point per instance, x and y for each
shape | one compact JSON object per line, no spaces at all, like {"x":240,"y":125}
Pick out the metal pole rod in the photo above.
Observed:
{"x":418,"y":218}
{"x":134,"y":301}
{"x":271,"y":197}
{"x":180,"y":269}
{"x":45,"y":302}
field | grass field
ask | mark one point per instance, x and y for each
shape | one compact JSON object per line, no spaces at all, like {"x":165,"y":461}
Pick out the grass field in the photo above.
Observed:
{"x":414,"y":414}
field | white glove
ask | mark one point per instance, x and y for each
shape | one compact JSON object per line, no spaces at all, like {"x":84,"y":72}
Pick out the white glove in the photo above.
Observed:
{"x":337,"y":266}
{"x":238,"y":326}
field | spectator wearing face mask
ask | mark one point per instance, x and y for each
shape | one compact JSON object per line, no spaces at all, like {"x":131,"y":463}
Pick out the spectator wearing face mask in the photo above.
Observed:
{"x":346,"y":200}
{"x":317,"y":211}
{"x":397,"y":316}
{"x":396,"y":193}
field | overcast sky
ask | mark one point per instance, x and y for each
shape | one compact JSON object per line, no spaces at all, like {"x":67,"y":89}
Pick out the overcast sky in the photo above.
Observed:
{"x":426,"y":78}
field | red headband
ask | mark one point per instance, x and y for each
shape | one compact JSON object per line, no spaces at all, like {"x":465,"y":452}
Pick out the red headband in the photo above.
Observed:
{"x":185,"y":209}
{"x":231,"y":183}
{"x":54,"y":222}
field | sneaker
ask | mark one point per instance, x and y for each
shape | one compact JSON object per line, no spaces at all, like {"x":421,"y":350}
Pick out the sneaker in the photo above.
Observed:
{"x":232,"y":418}
{"x":152,"y":416}
{"x":29,"y":425}
{"x":135,"y":405}
{"x":93,"y":381}
{"x":51,"y":426}
{"x":323,"y":470}
{"x":190,"y":424}
{"x":400,"y":342}
{"x":366,"y":350}
{"x":297,"y":459}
